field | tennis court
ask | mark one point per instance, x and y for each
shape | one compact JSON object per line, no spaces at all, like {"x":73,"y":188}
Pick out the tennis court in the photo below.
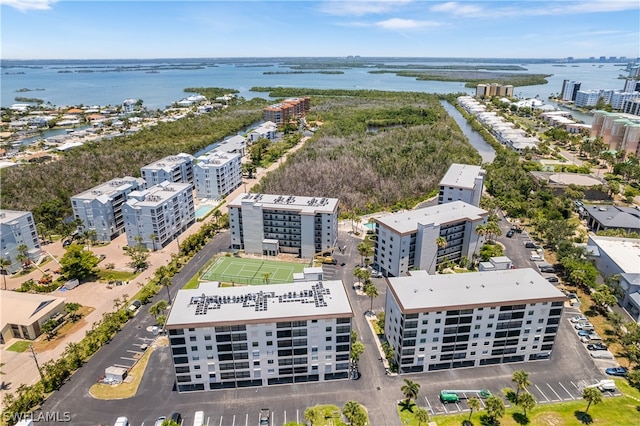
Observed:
{"x":251,"y":271}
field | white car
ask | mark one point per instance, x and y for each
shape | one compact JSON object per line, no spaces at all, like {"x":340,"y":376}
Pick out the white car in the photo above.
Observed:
{"x":536,"y":258}
{"x":602,"y":355}
{"x":578,"y":318}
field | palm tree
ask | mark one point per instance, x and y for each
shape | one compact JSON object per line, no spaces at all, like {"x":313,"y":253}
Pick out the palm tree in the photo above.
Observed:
{"x":410,"y":390}
{"x":370,"y":290}
{"x":216,"y":215}
{"x":421,"y":415}
{"x":592,"y":396}
{"x":521,"y":379}
{"x":165,"y":281}
{"x":23,"y":255}
{"x":527,"y":402}
{"x":312,"y":415}
{"x":364,"y":250}
{"x":361,"y":274}
{"x":350,"y":409}
{"x":153,"y":238}
{"x":4,"y":263}
{"x":474,"y":405}
{"x":441,"y":242}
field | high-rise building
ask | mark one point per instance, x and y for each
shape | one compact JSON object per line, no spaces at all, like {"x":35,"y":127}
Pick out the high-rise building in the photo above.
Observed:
{"x":569,"y":90}
{"x":158,"y":215}
{"x":282,"y":112}
{"x":410,"y":240}
{"x":462,"y":182}
{"x":100,"y":208}
{"x":231,"y":337}
{"x":440,"y":322}
{"x":174,"y":168}
{"x":271,"y":224}
{"x":217,"y":174}
{"x":18,"y":229}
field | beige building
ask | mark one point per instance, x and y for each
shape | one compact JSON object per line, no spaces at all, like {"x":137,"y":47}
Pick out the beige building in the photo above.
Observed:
{"x":494,"y":89}
{"x":619,"y":131}
{"x":22,"y":314}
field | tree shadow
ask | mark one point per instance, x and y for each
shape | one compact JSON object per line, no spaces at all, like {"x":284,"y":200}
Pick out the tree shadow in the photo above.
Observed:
{"x":585,"y":418}
{"x":5,"y":386}
{"x":488,"y":421}
{"x":511,"y":396}
{"x":520,"y":418}
{"x":407,"y":405}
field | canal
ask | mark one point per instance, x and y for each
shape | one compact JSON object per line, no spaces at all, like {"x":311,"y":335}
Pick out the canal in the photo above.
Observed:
{"x":486,"y":151}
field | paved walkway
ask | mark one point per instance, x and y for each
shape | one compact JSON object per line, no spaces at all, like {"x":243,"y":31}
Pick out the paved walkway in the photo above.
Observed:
{"x":20,"y":368}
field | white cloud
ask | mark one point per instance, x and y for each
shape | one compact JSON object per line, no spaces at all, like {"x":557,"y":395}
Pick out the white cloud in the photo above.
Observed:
{"x":404,"y":24}
{"x":534,"y":8}
{"x":29,"y":4}
{"x":360,"y":7}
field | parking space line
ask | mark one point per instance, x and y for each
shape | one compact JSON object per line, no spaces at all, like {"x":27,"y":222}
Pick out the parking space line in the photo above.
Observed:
{"x":285,"y":416}
{"x":246,"y":420}
{"x":297,"y":415}
{"x":123,"y":366}
{"x":458,"y":407}
{"x":542,"y":393}
{"x":565,"y":389}
{"x":234,"y":420}
{"x":554,"y":391}
{"x":575,"y":386}
{"x":130,"y":359}
{"x":429,"y":408}
{"x":220,"y":421}
{"x":135,"y":352}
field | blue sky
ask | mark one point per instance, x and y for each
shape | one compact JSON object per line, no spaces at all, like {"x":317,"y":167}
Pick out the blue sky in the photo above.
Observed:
{"x":46,"y":29}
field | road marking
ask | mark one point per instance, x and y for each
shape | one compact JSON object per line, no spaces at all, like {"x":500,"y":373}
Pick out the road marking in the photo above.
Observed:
{"x":220,"y":420}
{"x":123,"y":366}
{"x":297,"y":415}
{"x":458,"y":407}
{"x":246,"y":420}
{"x":542,"y":393}
{"x":565,"y":389}
{"x":234,"y":420}
{"x":285,"y":416}
{"x":554,"y":391}
{"x":428,"y":405}
{"x":135,"y":352}
{"x":130,"y":359}
{"x":575,"y":386}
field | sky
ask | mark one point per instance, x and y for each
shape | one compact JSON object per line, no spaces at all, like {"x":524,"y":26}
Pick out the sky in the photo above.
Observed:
{"x":74,"y":29}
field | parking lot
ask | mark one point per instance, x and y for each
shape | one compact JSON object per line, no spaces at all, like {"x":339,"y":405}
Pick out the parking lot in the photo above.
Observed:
{"x":246,"y":419}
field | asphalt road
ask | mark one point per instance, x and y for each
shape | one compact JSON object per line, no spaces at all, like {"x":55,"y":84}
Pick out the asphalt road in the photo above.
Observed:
{"x":559,"y":378}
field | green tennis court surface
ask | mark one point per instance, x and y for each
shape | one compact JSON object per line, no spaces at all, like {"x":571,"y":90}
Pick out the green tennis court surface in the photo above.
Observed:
{"x":251,"y":271}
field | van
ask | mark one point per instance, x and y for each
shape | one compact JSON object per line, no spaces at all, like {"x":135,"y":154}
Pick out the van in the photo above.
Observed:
{"x":602,"y":355}
{"x":198,"y":418}
{"x":121,"y":421}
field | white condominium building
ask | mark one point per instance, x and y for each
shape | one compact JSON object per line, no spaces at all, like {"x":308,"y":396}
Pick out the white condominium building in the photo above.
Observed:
{"x":175,"y":168}
{"x":158,"y":215}
{"x":272,"y":224}
{"x":217,"y":174}
{"x":228,"y":337}
{"x":409,"y":240}
{"x":439,"y":322}
{"x":462,"y":182}
{"x":17,"y":228}
{"x":100,"y":208}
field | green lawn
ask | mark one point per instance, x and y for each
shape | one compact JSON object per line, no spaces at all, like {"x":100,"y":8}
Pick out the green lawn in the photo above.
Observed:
{"x":19,"y":346}
{"x":409,"y":417}
{"x":111,"y":275}
{"x":619,"y":411}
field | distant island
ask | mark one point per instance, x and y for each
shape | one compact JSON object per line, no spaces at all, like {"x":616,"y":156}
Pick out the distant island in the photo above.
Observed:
{"x":472,"y":78}
{"x":301,"y":72}
{"x":24,"y":89}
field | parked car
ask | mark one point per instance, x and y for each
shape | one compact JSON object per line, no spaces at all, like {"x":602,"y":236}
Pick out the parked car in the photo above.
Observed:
{"x":265,"y":416}
{"x":578,"y":318}
{"x":547,"y":268}
{"x":602,"y":355}
{"x":617,"y":371}
{"x":177,"y":417}
{"x":121,"y":421}
{"x":597,"y":347}
{"x":510,"y":233}
{"x":134,"y":305}
{"x":536,"y":258}
{"x":160,"y":420}
{"x":584,"y":332}
{"x":584,"y":326}
{"x":529,"y":244}
{"x":553,"y":279}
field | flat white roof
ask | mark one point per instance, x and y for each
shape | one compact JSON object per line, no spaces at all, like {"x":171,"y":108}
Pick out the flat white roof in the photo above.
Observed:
{"x":157,"y":194}
{"x":423,"y":292}
{"x":441,"y":214}
{"x":308,"y":205}
{"x":111,"y":188}
{"x":207,"y":306}
{"x":461,"y":176}
{"x":8,"y":216}
{"x":169,"y":163}
{"x":625,"y":252}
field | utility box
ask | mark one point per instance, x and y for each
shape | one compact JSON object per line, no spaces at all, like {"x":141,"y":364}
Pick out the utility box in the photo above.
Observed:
{"x":115,"y":374}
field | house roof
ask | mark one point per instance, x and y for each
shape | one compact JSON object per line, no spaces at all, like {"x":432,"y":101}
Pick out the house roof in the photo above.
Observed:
{"x":611,"y":216}
{"x":26,"y":308}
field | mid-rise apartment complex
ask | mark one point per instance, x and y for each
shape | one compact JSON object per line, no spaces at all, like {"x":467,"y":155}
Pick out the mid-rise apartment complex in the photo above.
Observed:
{"x":439,"y":322}
{"x":272,"y":224}
{"x":494,"y":89}
{"x":158,"y":215}
{"x":17,"y":228}
{"x":100,"y":208}
{"x":621,"y":132}
{"x":228,"y":337}
{"x":409,"y":240}
{"x":282,"y":112}
{"x":462,"y":182}
{"x":174,"y":168}
{"x":217,"y":174}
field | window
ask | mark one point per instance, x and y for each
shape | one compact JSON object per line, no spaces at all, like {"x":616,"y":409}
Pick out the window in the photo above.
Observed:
{"x":328,"y":329}
{"x":476,"y":327}
{"x":492,"y":316}
{"x":269,"y":333}
{"x":327,"y":348}
{"x":269,"y":361}
{"x":541,"y":321}
{"x":437,"y":330}
{"x":192,"y":329}
{"x":438,"y":320}
{"x":192,"y":338}
{"x":209,"y":348}
{"x":207,"y":337}
{"x":194,"y":348}
{"x":530,"y":313}
{"x":196,"y":367}
{"x":270,"y":343}
{"x":436,"y":339}
{"x":476,"y":335}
